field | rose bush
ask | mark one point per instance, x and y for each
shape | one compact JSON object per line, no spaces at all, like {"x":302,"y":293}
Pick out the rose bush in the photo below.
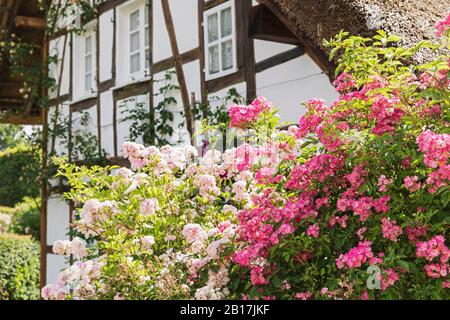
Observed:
{"x":300,"y":213}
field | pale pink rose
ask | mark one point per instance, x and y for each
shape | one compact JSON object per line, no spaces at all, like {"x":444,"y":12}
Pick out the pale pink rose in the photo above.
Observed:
{"x":149,"y":207}
{"x":61,"y":247}
{"x":78,"y":248}
{"x":148,"y":242}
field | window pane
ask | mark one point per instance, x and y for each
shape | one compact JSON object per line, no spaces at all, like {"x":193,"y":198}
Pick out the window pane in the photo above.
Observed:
{"x":88,"y":63}
{"x":213,"y":28}
{"x":147,"y":59}
{"x":214,"y":59}
{"x":88,"y":82}
{"x":225,"y":22}
{"x":135,"y":64}
{"x":134,"y":20}
{"x":147,"y":36}
{"x":134,"y":42}
{"x":88,"y":44}
{"x":227,"y":55}
{"x":145,"y":15}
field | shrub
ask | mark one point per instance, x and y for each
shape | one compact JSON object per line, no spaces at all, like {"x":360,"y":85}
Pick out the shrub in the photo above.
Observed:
{"x":25,"y":218}
{"x":19,"y":268}
{"x":350,"y":204}
{"x":5,"y":218}
{"x":19,"y":170}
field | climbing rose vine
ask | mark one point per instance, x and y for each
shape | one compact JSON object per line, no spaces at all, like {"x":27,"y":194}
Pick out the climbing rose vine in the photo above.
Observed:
{"x":300,"y":213}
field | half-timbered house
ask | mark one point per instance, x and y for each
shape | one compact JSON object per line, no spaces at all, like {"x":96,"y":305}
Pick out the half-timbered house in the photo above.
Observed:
{"x":121,"y":60}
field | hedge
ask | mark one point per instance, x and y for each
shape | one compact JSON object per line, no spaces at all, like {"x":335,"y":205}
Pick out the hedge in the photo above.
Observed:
{"x":25,"y":218}
{"x":19,"y":268}
{"x":19,"y":170}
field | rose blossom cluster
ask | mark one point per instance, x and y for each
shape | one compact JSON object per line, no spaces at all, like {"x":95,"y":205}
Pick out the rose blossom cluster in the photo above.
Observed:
{"x":442,"y":26}
{"x":76,"y":247}
{"x":357,"y":256}
{"x":436,"y":148}
{"x":79,"y":281}
{"x":412,"y":184}
{"x":294,"y":204}
{"x":390,"y":229}
{"x":166,"y":159}
{"x":95,"y":213}
{"x":386,"y":114}
{"x":242,"y":116}
{"x":344,"y":83}
{"x":432,"y":249}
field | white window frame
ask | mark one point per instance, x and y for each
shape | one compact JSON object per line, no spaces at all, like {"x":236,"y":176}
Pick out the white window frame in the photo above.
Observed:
{"x":217,"y":10}
{"x":81,"y":89}
{"x":144,"y":71}
{"x":89,"y":88}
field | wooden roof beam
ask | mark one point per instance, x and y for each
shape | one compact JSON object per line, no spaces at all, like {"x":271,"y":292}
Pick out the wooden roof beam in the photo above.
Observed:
{"x":266,"y":26}
{"x":20,"y":120}
{"x":30,"y":23}
{"x":10,"y":90}
{"x":315,"y":53}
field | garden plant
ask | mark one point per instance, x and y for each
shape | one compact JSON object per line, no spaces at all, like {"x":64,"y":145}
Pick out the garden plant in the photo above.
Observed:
{"x":352,"y":202}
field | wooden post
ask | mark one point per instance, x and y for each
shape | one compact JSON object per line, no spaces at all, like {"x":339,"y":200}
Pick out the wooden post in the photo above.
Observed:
{"x":43,"y":217}
{"x":178,"y":66}
{"x":58,"y":94}
{"x":97,"y":81}
{"x":249,"y":51}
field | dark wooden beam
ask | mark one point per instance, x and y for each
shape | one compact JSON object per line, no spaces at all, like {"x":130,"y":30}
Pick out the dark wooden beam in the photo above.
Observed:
{"x":316,"y":54}
{"x":84,"y":104}
{"x":248,"y":49}
{"x":280,"y":59}
{"x":215,"y":85}
{"x":10,"y":90}
{"x":178,"y":67}
{"x":20,"y":120}
{"x":30,"y":23}
{"x":201,"y":39}
{"x":169,"y":63}
{"x":265,"y":25}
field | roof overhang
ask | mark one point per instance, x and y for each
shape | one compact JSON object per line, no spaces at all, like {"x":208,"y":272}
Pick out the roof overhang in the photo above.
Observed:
{"x":26,"y":21}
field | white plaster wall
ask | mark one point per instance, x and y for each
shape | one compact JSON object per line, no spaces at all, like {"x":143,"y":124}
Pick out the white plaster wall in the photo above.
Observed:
{"x":82,"y":130}
{"x":79,"y":92}
{"x":56,"y":47}
{"x":267,"y":49}
{"x":123,"y":131}
{"x":106,"y":118}
{"x":122,"y":11}
{"x":161,"y":43}
{"x":192,"y":74}
{"x":293,"y":83}
{"x":60,"y":148}
{"x":185,"y":17}
{"x":55,"y":264}
{"x":106,"y":44}
{"x":216,"y":100}
{"x":174,"y":108}
{"x":58,"y":214}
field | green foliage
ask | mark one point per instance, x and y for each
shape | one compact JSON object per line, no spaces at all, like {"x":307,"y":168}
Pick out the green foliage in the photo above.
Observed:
{"x":19,"y":171}
{"x":25,"y":218}
{"x":152,"y":129}
{"x":19,"y":268}
{"x":11,"y":136}
{"x":82,"y":144}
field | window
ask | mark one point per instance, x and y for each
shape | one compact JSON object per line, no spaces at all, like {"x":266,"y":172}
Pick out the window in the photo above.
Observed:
{"x":138,"y":42}
{"x":85,"y":63}
{"x":220,"y":40}
{"x":88,"y":64}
